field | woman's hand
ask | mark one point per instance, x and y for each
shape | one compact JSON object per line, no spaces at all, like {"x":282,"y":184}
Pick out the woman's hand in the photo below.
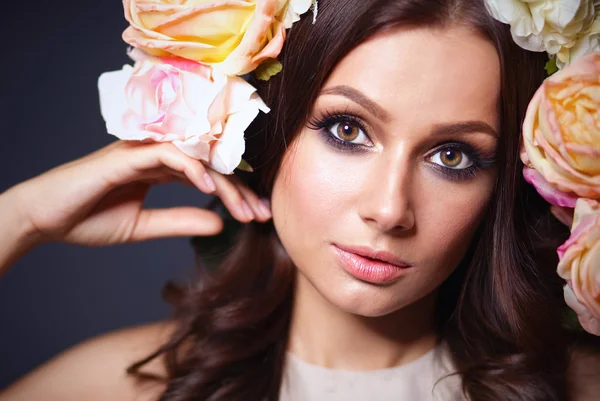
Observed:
{"x":586,"y":319}
{"x":97,"y":200}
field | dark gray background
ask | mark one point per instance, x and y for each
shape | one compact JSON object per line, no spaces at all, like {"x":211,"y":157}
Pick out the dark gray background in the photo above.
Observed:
{"x":58,"y":295}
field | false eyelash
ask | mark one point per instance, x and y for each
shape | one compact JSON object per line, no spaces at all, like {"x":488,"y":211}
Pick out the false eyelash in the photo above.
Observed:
{"x":480,"y":159}
{"x":322,"y":123}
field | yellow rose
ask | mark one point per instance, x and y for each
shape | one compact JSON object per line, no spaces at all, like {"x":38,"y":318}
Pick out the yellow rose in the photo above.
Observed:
{"x":561,"y":131}
{"x":580,"y":255}
{"x":233,"y":36}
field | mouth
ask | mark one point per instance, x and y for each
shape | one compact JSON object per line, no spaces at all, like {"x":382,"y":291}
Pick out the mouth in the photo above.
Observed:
{"x":371,"y":265}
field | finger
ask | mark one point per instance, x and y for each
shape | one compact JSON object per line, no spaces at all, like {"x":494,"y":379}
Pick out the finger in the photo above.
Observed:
{"x":232,"y":197}
{"x":163,"y":175}
{"x":166,"y":176}
{"x":157,"y":156}
{"x":261,"y":208}
{"x":176,"y":222}
{"x":132,"y":163}
{"x":563,"y":214}
{"x":193,"y":169}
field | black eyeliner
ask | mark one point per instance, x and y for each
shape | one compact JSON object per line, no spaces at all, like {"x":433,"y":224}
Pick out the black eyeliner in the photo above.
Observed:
{"x":480,"y":160}
{"x":321,"y":125}
{"x":477,"y":156}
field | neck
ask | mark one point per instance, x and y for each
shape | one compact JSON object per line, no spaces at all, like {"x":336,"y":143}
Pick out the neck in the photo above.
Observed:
{"x":323,"y":334}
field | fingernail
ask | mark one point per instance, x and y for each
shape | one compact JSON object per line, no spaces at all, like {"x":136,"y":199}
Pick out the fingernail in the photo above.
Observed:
{"x":247,"y":210}
{"x":265,"y":208}
{"x":210,"y":183}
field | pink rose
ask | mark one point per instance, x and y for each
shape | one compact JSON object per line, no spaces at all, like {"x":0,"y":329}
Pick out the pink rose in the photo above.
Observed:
{"x":233,"y":36}
{"x":547,"y":191}
{"x":580,"y":255}
{"x":561,"y":131}
{"x":202,"y":112}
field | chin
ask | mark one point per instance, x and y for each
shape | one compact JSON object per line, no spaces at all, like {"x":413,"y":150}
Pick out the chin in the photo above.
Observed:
{"x":364,"y":299}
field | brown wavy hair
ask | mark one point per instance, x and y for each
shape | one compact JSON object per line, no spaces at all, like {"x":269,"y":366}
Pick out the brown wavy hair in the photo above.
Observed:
{"x":499,"y":312}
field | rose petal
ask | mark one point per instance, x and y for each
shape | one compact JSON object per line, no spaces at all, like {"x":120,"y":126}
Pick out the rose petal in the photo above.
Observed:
{"x":233,"y":36}
{"x":547,"y":191}
{"x":580,"y":256}
{"x":243,"y":105}
{"x":561,"y":130}
{"x":111,"y":87}
{"x":204,"y":115}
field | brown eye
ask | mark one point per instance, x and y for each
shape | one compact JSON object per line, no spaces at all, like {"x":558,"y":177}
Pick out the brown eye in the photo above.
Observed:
{"x":451,"y":157}
{"x":347,"y":131}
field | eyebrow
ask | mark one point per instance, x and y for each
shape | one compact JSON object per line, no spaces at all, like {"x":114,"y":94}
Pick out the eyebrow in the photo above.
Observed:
{"x":464,"y":127}
{"x":359,"y":98}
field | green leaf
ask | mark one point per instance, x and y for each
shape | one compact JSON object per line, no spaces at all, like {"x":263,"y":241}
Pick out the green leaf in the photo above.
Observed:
{"x":268,"y":69}
{"x":244,"y":166}
{"x":551,"y":66}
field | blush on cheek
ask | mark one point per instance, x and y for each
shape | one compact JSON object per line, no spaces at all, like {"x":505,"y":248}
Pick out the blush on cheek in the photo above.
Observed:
{"x":460,"y":226}
{"x":312,"y":196}
{"x":316,"y":180}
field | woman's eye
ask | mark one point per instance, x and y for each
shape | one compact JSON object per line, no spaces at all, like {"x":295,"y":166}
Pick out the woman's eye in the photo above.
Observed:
{"x":349,"y":131}
{"x":452,"y":158}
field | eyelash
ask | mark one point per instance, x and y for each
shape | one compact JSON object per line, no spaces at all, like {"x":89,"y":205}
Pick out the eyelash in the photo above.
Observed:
{"x":478,"y":158}
{"x":322,"y":124}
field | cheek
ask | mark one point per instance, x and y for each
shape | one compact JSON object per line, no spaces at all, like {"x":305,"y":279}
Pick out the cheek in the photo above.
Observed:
{"x":315,"y":199}
{"x":311,"y":192}
{"x":449,"y":221}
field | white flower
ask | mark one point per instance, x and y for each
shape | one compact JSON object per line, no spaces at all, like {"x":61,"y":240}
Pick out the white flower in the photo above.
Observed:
{"x":293,"y":9}
{"x":587,"y":42}
{"x":559,"y":27}
{"x":202,"y":112}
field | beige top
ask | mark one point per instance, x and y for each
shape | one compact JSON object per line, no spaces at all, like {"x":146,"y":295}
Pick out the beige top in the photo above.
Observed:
{"x":413,"y":381}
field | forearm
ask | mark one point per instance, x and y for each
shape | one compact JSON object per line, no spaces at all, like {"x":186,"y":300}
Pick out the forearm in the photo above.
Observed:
{"x":17,"y":235}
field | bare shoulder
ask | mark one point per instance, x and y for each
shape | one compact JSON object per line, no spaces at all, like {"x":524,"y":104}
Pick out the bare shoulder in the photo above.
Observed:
{"x":95,"y":370}
{"x":584,"y":375}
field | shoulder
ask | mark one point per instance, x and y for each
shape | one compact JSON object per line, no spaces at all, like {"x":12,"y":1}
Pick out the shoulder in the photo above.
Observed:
{"x":584,"y":374}
{"x":95,"y":370}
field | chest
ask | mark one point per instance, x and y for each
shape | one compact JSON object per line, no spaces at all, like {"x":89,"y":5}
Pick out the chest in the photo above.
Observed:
{"x":413,"y":382}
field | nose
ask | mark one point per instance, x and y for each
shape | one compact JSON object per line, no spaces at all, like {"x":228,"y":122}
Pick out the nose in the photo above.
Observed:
{"x":385,"y":201}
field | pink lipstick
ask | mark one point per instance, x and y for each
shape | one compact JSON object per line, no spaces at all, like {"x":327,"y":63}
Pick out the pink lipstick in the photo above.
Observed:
{"x":367,"y":264}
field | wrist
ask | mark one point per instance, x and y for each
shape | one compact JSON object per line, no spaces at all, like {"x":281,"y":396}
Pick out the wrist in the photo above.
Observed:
{"x":19,"y":232}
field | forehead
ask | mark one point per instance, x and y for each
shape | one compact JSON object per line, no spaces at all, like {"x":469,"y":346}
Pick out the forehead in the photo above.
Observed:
{"x":442,"y":74}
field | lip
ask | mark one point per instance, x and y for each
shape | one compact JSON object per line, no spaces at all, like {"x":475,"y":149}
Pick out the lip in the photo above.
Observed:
{"x":370,"y":265}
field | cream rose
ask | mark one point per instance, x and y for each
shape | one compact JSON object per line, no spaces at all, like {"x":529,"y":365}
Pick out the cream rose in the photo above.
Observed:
{"x":233,"y":36}
{"x":561,"y":131}
{"x":202,"y":112}
{"x":587,"y":42}
{"x":289,"y":11}
{"x":546,"y":25}
{"x":580,"y":255}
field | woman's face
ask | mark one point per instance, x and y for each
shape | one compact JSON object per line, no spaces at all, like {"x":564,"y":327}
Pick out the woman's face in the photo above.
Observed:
{"x":381,"y":193}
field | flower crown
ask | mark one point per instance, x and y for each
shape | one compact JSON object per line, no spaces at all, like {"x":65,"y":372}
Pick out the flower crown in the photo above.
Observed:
{"x":186,"y":88}
{"x":561,"y":132}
